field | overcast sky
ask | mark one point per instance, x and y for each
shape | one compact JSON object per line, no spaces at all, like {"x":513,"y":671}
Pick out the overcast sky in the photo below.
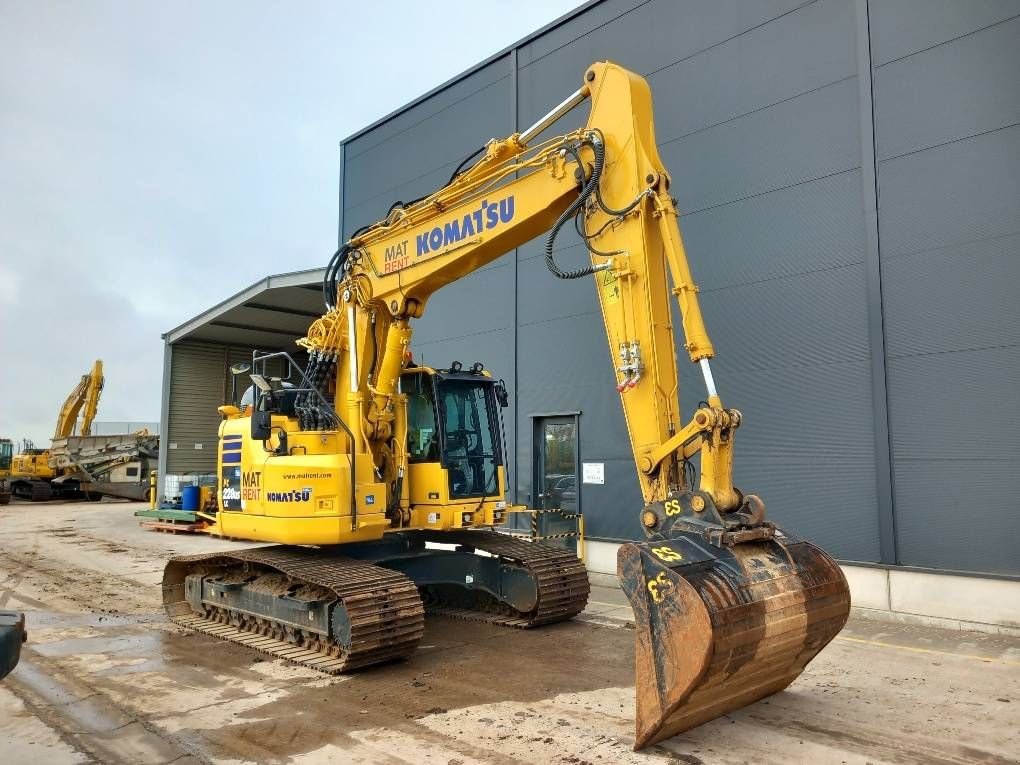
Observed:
{"x":155,"y":158}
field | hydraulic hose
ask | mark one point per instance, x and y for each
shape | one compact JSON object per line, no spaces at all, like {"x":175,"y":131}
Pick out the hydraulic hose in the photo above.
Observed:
{"x":589,"y":188}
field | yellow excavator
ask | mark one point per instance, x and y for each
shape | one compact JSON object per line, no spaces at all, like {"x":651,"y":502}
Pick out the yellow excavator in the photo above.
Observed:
{"x":381,"y":481}
{"x":6,"y":456}
{"x":33,"y":475}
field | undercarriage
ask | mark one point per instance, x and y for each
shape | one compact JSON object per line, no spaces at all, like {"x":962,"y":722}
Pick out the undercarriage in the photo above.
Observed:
{"x":341,"y":608}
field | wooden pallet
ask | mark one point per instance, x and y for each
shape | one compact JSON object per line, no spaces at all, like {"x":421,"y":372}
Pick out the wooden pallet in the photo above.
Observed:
{"x":173,"y":527}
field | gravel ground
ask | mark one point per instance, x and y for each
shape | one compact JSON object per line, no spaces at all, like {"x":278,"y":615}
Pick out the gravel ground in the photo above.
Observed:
{"x":105,"y":678}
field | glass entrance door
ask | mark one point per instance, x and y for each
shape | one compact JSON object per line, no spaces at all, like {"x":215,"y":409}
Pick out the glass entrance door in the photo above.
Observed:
{"x":556,"y":464}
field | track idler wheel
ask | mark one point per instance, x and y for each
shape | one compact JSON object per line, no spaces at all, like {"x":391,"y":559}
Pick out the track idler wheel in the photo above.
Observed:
{"x":720,"y":626}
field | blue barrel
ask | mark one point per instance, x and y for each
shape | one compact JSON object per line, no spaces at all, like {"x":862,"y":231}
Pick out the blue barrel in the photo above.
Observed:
{"x":189,"y":498}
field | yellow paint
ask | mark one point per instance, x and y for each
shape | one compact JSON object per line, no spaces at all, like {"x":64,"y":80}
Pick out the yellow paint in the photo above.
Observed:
{"x":666,"y":554}
{"x":513,"y":194}
{"x":609,"y":284}
{"x":658,"y":586}
{"x":916,"y":649}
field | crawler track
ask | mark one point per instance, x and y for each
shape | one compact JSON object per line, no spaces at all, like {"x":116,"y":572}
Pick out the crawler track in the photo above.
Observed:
{"x":562,"y":580}
{"x":383,"y":606}
{"x":385,"y":611}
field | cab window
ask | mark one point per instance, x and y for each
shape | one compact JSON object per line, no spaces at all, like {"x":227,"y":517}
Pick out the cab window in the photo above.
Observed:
{"x":470,"y":453}
{"x":422,"y":435}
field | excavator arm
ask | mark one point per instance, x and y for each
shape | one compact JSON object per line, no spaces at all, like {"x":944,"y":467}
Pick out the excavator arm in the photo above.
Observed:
{"x":608,"y":181}
{"x":83,"y":400}
{"x":728,"y":608}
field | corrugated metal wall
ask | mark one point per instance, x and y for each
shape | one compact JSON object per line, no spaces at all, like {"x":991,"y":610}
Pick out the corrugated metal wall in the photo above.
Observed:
{"x":947,"y":122}
{"x":815,"y":303}
{"x":197,"y":383}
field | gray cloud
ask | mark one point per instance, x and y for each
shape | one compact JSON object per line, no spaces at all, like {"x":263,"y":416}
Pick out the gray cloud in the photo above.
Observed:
{"x":158,"y":157}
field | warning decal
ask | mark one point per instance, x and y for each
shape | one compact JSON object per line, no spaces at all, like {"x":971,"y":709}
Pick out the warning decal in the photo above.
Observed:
{"x":609,"y":283}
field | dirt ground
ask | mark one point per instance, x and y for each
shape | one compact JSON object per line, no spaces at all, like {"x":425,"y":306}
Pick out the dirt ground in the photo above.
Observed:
{"x":105,"y":678}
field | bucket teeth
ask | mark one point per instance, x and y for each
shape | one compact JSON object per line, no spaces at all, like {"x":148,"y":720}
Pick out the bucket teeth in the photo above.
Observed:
{"x":718,"y":628}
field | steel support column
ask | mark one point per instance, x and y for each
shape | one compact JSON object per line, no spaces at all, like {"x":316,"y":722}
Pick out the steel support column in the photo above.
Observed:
{"x":873,"y":276}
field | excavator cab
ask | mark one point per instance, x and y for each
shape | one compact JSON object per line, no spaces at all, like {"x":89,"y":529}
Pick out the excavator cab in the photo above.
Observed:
{"x":453,"y":419}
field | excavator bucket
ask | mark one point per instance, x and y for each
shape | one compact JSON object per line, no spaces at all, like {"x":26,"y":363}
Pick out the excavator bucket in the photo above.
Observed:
{"x":720,"y":627}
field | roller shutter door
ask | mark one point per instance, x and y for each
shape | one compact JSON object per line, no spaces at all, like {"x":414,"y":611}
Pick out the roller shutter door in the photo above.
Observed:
{"x":197,"y":382}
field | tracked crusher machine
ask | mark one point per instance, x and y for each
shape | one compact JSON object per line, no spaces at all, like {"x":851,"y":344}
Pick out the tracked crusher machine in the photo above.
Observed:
{"x":380,"y":482}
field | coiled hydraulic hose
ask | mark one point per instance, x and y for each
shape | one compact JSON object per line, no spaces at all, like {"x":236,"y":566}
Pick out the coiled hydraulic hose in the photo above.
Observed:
{"x":594,"y":140}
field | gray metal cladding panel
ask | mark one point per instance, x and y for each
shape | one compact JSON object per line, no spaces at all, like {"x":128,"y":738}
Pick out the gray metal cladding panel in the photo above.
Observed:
{"x":945,"y":519}
{"x":953,"y":299}
{"x":811,"y":412}
{"x":901,"y":27}
{"x":830,"y":502}
{"x":809,"y":227}
{"x":375,"y":209}
{"x":808,"y":137}
{"x":647,"y":38}
{"x":541,"y":296}
{"x":479,"y":303}
{"x":441,"y":140}
{"x":947,"y":404}
{"x":612,"y":510}
{"x":668,"y":42}
{"x":562,"y":353}
{"x":592,"y":21}
{"x":968,"y":86}
{"x":437,"y":104}
{"x":494,"y":348}
{"x":806,"y":446}
{"x":804,"y":50}
{"x":809,"y":319}
{"x":950,"y":195}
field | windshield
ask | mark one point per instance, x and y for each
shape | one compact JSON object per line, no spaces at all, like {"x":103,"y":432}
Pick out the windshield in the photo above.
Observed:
{"x":6,"y":450}
{"x":471,"y":448}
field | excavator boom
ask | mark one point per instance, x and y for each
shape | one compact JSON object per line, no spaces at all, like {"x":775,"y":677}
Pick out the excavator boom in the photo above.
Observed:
{"x":728,"y":607}
{"x":83,"y":400}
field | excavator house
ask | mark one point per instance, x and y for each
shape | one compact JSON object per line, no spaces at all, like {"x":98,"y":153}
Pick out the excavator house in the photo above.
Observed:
{"x":380,"y":482}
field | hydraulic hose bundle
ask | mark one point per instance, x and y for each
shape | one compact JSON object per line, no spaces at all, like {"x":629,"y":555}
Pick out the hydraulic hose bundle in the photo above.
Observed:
{"x":323,"y":345}
{"x":591,"y":190}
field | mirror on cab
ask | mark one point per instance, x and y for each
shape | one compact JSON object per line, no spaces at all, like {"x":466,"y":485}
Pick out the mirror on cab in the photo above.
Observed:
{"x":236,"y":370}
{"x":262,"y":417}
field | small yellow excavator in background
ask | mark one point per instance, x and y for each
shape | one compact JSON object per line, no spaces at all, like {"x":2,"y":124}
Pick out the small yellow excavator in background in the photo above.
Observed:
{"x":33,"y":476}
{"x":381,"y":480}
{"x":78,"y":465}
{"x":6,"y":455}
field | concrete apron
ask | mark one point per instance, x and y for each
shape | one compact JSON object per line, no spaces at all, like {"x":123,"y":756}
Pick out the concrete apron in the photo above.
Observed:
{"x":948,"y":601}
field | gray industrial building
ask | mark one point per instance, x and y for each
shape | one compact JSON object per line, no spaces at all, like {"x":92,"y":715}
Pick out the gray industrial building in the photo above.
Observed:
{"x":849,"y":176}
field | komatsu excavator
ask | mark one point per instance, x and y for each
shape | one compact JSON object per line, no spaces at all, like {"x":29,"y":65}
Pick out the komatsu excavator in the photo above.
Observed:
{"x":381,"y":480}
{"x":6,"y":455}
{"x":34,"y":476}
